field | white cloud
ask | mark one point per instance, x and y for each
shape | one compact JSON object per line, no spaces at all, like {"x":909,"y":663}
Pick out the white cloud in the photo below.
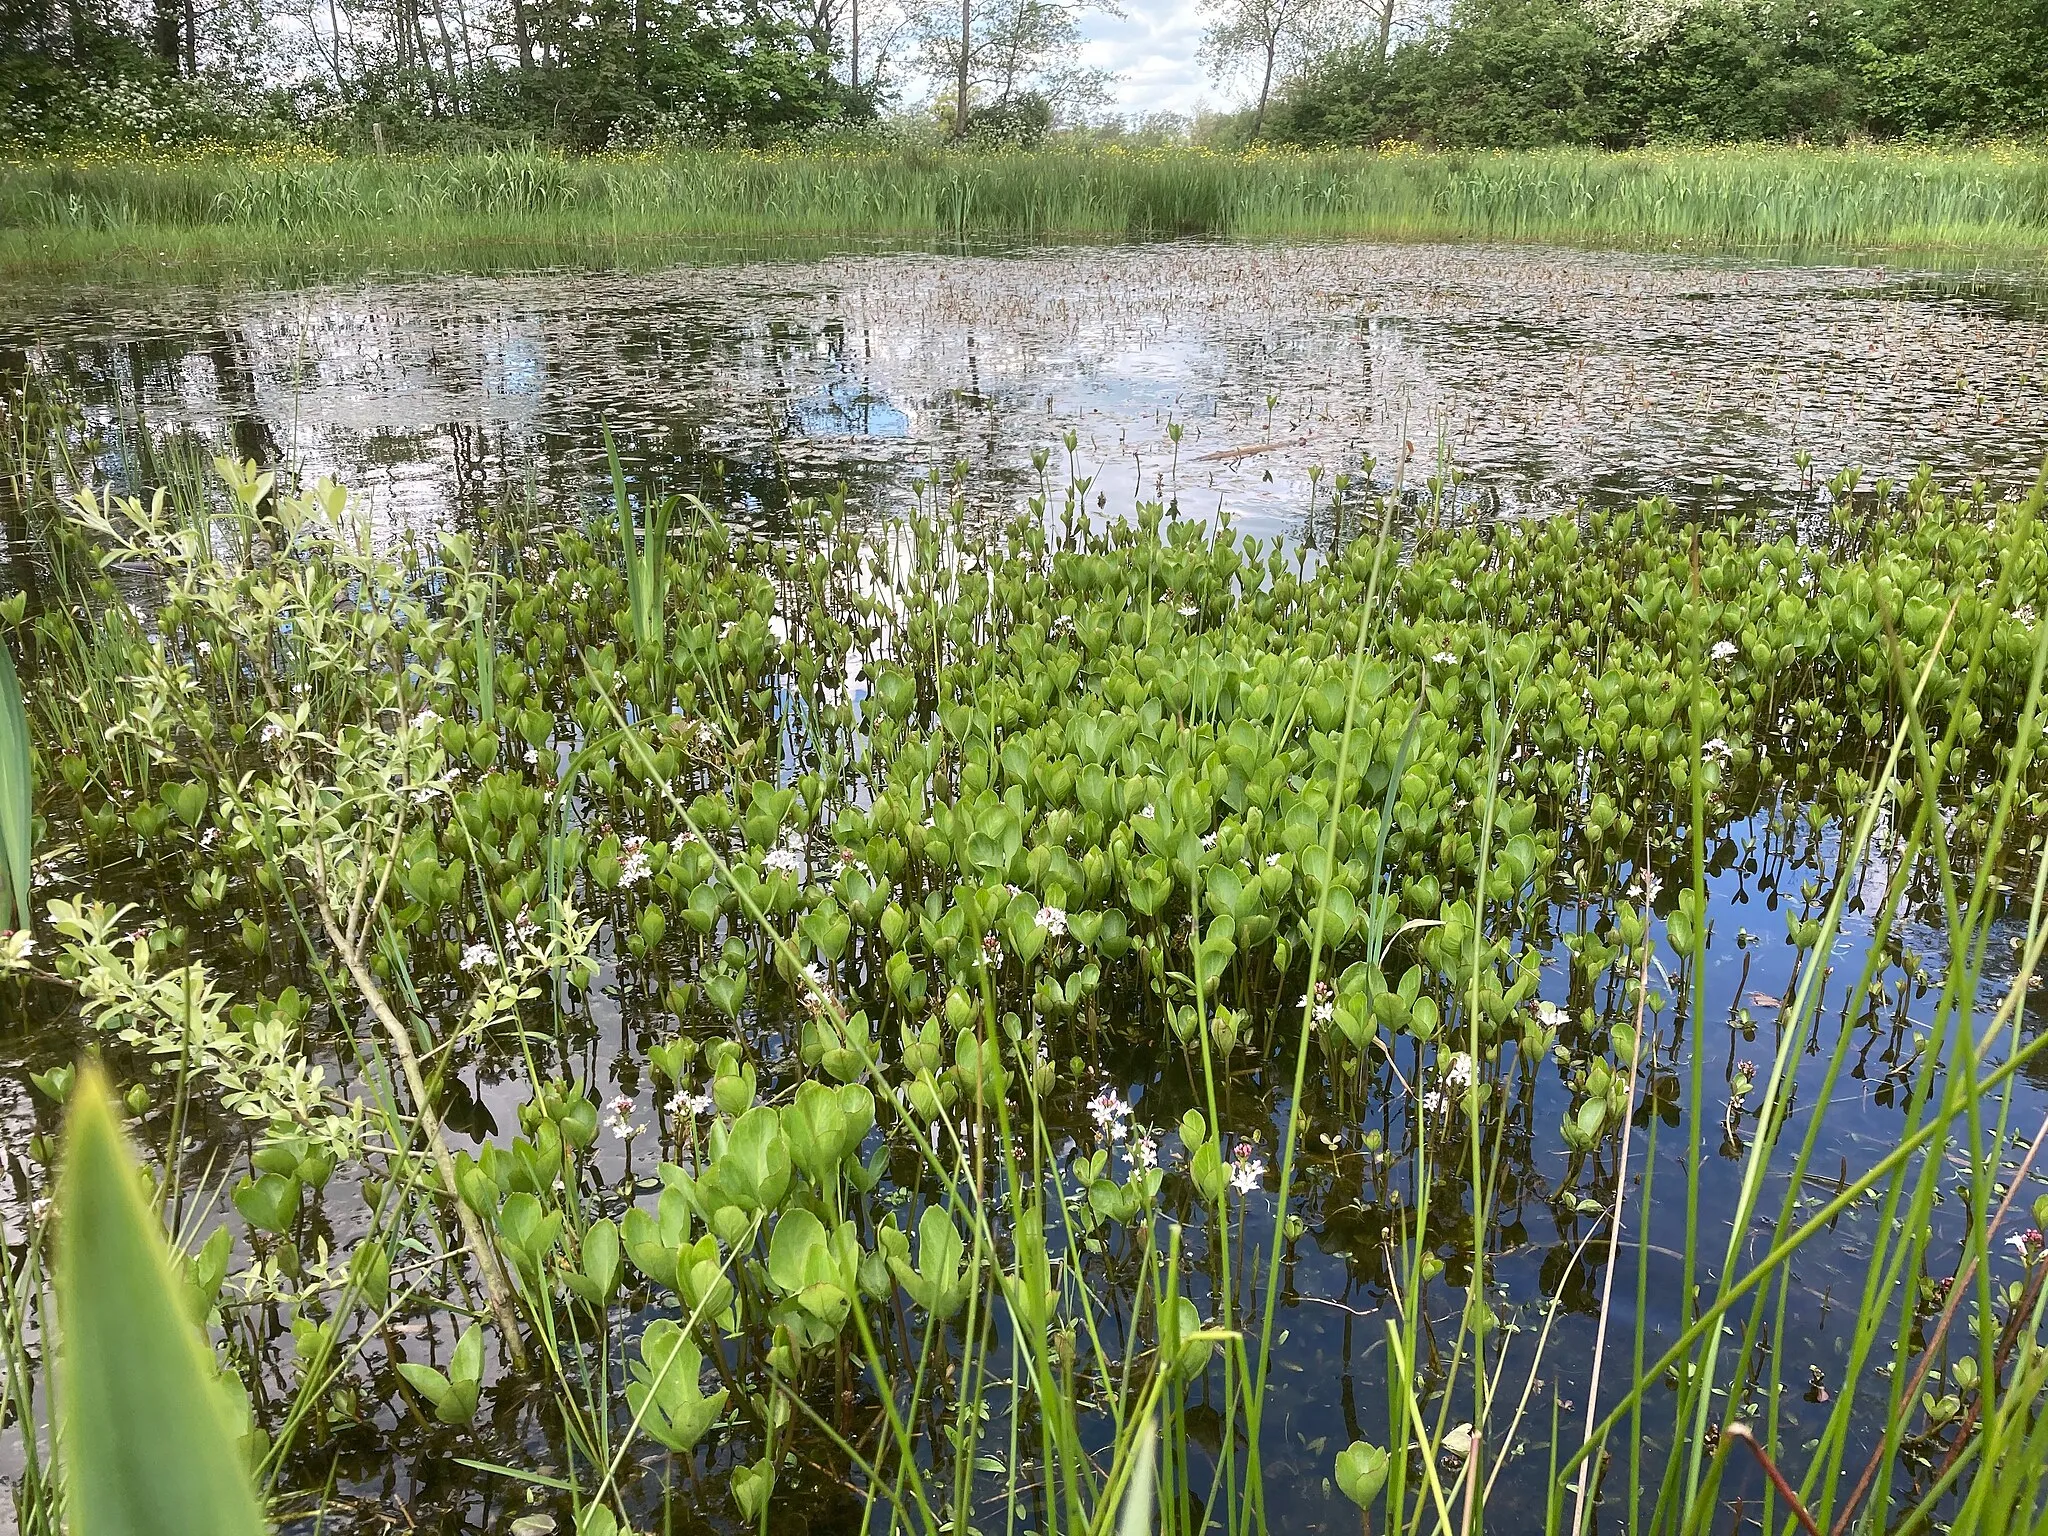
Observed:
{"x":1149,"y":52}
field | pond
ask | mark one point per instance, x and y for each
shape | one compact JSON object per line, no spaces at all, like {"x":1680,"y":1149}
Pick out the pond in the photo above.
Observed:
{"x":1546,"y":376}
{"x":1087,"y":753}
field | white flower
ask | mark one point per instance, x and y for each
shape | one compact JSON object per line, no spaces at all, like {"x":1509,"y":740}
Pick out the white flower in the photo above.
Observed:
{"x":991,"y":949}
{"x":1324,"y":1007}
{"x":579,"y":594}
{"x":1111,"y":1113}
{"x":1550,"y":1015}
{"x":1645,"y":886}
{"x":1272,"y":860}
{"x":1188,"y":610}
{"x":1725,"y":650}
{"x":205,"y":648}
{"x":634,"y":867}
{"x":532,"y":756}
{"x":1458,"y":1071}
{"x":476,"y":956}
{"x":272,"y":733}
{"x":1716,"y":748}
{"x":1052,"y":920}
{"x":817,"y":987}
{"x":209,"y":837}
{"x":1209,"y":839}
{"x":425,"y":720}
{"x":1434,"y":1103}
{"x":1146,"y":813}
{"x":693,"y":1104}
{"x":1445,"y":658}
{"x":1145,"y":1150}
{"x":622,"y":1105}
{"x":1246,"y":1170}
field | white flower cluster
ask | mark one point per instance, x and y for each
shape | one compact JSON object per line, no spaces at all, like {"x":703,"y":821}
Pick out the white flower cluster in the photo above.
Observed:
{"x":1112,"y":1114}
{"x":1247,"y":1169}
{"x":1324,"y":1009}
{"x":635,"y":865}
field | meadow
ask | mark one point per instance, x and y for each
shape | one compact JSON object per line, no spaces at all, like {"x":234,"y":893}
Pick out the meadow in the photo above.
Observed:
{"x":631,"y":1024}
{"x":308,"y":211}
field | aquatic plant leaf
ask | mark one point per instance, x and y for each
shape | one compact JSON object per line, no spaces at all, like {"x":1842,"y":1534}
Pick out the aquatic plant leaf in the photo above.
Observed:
{"x":754,"y":1172}
{"x":269,"y":1203}
{"x":1361,"y":1472}
{"x":753,"y":1486}
{"x":1134,"y":1518}
{"x":147,"y":1438}
{"x":664,"y":1390}
{"x":17,"y":800}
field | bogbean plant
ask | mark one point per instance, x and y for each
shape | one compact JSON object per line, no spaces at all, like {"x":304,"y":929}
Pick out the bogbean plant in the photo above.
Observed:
{"x":889,"y":842}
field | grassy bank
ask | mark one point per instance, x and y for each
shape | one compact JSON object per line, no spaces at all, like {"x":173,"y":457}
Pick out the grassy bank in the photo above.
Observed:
{"x":486,"y":210}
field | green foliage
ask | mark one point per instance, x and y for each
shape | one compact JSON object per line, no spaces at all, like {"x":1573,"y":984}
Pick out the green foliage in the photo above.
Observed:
{"x":17,"y":800}
{"x":1517,"y":74}
{"x":144,"y":1425}
{"x":1154,"y":790}
{"x":666,"y":1392}
{"x":136,"y":215}
{"x":453,"y":1396}
{"x":1361,"y":1472}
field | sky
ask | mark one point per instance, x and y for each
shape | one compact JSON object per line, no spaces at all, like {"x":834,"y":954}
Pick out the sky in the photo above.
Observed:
{"x":1150,"y":54}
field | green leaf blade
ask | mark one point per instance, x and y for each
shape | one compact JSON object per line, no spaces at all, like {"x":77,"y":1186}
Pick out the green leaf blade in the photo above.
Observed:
{"x":148,"y":1446}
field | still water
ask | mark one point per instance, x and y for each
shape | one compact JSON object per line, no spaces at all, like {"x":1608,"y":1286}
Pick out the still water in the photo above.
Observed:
{"x":1547,"y":376}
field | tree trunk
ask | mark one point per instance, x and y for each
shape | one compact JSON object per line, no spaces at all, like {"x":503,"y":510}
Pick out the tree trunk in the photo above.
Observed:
{"x":1386,"y":30}
{"x":334,"y":46}
{"x":853,"y":55}
{"x":521,"y":38}
{"x":1265,"y":87}
{"x":163,"y":29}
{"x":966,"y":51}
{"x":448,"y":55}
{"x":191,"y":41}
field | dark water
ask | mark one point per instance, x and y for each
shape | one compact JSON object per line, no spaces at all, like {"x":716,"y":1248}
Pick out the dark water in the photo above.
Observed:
{"x":1546,"y":375}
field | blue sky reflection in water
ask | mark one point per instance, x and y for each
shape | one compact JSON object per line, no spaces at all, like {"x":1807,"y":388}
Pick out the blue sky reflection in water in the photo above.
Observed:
{"x":1545,"y":375}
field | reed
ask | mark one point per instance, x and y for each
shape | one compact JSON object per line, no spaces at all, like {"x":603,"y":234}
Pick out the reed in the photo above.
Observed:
{"x":314,"y":212}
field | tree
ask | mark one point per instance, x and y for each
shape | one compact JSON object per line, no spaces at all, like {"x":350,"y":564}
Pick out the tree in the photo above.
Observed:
{"x":995,"y":53}
{"x":1269,"y":34}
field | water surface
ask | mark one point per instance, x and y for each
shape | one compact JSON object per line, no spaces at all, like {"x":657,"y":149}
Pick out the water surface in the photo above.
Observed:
{"x":1548,"y":376}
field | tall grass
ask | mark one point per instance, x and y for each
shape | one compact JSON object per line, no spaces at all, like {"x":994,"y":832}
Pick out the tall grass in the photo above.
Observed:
{"x":17,"y":799}
{"x":496,"y":207}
